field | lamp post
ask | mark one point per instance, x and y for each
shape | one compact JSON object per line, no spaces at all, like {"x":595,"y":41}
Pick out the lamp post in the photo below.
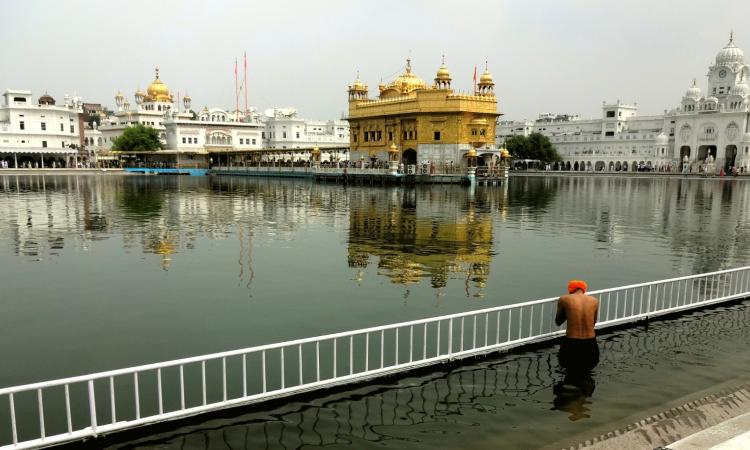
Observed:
{"x":505,"y":156}
{"x":316,"y":157}
{"x":471,"y":162}
{"x":393,"y":159}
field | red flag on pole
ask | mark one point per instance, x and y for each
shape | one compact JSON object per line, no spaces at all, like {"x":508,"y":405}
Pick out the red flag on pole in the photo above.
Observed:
{"x":475,"y":77}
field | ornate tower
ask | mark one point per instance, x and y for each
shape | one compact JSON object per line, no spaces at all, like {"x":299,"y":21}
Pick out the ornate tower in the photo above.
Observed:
{"x":486,"y":86}
{"x":186,"y":101}
{"x":119,"y":99}
{"x":357,"y":91}
{"x":443,"y":77}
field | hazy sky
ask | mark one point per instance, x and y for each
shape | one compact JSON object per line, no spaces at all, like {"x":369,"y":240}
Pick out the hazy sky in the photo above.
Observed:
{"x":546,"y":56}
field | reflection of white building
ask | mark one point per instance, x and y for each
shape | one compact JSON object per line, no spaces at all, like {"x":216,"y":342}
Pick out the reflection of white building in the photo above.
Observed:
{"x":283,"y":129}
{"x":39,"y":133}
{"x":713,"y":124}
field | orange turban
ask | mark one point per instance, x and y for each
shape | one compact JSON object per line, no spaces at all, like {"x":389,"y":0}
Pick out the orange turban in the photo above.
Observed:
{"x":573,"y":285}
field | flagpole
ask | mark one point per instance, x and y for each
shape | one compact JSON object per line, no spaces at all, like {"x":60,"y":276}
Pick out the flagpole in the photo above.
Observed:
{"x":236,"y":93}
{"x":245,"y":83}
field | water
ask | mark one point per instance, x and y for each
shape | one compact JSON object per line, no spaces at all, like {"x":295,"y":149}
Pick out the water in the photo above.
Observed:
{"x":102,"y":272}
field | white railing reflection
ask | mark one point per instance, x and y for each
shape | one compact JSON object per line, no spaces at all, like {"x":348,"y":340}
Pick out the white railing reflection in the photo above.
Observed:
{"x":68,"y":409}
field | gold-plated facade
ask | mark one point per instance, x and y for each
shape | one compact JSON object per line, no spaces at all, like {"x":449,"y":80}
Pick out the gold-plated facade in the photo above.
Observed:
{"x":426,"y":123}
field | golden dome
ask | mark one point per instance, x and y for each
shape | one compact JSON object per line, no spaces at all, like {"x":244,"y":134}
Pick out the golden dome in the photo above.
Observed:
{"x":119,"y":96}
{"x":358,"y":85}
{"x":393,"y":148}
{"x":486,"y":77}
{"x":443,"y":73}
{"x":158,"y":91}
{"x":504,"y":153}
{"x":407,"y":81}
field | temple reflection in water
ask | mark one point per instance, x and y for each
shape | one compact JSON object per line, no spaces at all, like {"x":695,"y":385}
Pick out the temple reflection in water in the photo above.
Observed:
{"x":428,"y":235}
{"x":418,"y":234}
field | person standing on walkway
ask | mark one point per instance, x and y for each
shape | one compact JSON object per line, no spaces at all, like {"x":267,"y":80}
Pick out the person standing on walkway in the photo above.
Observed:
{"x":579,"y":351}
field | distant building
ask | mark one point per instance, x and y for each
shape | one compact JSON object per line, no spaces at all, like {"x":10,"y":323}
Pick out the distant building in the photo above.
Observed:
{"x":40,"y":133}
{"x":426,"y":123}
{"x":705,"y":133}
{"x":283,"y":129}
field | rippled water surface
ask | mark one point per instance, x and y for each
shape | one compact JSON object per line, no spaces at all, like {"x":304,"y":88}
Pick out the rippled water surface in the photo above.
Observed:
{"x":102,"y":272}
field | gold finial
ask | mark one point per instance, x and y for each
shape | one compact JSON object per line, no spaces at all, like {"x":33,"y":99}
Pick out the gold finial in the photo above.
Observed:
{"x":157,"y":72}
{"x":408,"y":63}
{"x":486,"y":69}
{"x":443,"y":59}
{"x":731,"y":36}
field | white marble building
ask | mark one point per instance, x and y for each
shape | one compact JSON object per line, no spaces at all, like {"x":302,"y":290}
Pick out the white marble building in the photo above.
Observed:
{"x":283,"y":129}
{"x":181,"y":131}
{"x":39,"y":133}
{"x":705,"y":133}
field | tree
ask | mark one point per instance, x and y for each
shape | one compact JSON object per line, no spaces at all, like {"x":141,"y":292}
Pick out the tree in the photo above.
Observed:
{"x":138,"y":137}
{"x":535,"y":146}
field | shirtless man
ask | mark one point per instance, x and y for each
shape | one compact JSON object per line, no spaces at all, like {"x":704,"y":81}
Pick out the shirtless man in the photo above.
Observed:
{"x":578,"y":351}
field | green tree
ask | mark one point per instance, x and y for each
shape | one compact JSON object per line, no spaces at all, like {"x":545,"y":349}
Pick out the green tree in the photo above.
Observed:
{"x":518,"y":146}
{"x":535,"y":146}
{"x":138,"y":137}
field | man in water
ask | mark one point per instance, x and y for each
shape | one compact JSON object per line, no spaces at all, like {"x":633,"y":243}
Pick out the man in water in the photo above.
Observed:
{"x":578,"y":351}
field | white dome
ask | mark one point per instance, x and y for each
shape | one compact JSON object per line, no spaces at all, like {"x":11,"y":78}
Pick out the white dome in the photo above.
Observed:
{"x":694,"y":92}
{"x":712,"y":99}
{"x":730,"y":54}
{"x":662,"y":139}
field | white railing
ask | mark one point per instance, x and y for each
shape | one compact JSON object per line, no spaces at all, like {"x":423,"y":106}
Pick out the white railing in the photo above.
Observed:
{"x":58,"y":411}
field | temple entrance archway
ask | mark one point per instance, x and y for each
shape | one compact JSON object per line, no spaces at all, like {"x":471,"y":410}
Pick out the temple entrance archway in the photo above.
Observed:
{"x":684,"y":151}
{"x":575,"y":166}
{"x":409,"y":157}
{"x":705,"y":150}
{"x":730,"y":157}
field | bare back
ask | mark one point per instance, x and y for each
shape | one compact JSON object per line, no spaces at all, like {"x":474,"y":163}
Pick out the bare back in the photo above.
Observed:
{"x":580,"y":311}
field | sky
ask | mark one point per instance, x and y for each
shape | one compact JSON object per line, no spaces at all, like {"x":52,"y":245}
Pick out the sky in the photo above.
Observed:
{"x":546,"y":56}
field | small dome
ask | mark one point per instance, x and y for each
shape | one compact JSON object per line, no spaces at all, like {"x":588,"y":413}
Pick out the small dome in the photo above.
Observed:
{"x":712,"y":99}
{"x":694,"y":92}
{"x":486,"y":77}
{"x":662,"y":139}
{"x":46,"y":99}
{"x":119,"y":96}
{"x":443,"y":73}
{"x":730,"y":54}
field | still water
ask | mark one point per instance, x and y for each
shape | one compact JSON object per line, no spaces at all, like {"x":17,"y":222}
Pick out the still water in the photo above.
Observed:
{"x":102,"y":272}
